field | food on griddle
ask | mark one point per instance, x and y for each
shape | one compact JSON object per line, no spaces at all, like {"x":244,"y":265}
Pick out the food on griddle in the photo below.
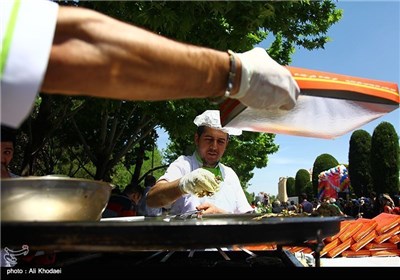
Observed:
{"x":284,"y":213}
{"x":326,"y":210}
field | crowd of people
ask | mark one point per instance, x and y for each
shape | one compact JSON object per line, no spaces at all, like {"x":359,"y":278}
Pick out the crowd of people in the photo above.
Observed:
{"x":351,"y":206}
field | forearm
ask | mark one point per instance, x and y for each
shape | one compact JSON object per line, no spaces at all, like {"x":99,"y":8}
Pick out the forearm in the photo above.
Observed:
{"x":96,"y":55}
{"x":163,"y":193}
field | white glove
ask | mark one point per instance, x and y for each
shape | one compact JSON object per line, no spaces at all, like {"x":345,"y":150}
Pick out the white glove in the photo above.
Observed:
{"x":265,"y":84}
{"x":199,"y":182}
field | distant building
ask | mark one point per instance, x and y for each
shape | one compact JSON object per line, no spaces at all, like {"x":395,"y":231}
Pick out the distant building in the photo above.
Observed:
{"x":282,"y":194}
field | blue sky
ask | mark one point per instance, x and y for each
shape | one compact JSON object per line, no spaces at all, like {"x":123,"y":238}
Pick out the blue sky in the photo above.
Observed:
{"x":364,"y":43}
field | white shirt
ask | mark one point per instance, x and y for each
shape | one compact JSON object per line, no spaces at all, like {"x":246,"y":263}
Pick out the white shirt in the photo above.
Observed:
{"x":230,"y":197}
{"x":28,"y":27}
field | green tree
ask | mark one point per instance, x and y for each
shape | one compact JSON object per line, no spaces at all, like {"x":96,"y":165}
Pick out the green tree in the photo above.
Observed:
{"x":359,"y":168}
{"x":301,"y":180}
{"x":308,"y":190}
{"x":322,"y":163}
{"x":222,"y":25}
{"x":108,"y":133}
{"x":385,"y":159}
{"x":123,"y":173}
{"x":290,"y":187}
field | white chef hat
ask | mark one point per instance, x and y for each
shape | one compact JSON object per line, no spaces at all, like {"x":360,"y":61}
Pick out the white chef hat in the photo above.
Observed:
{"x":211,"y":118}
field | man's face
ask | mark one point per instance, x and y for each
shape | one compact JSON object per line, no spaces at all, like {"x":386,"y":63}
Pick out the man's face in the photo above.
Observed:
{"x":7,"y":153}
{"x":211,"y":145}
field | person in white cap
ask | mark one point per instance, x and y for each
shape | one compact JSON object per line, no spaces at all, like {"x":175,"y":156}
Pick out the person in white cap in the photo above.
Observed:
{"x":201,"y":181}
{"x":75,"y":51}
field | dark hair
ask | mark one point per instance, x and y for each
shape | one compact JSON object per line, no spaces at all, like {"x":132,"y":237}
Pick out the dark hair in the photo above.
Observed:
{"x":133,"y":188}
{"x":8,"y":134}
{"x":201,"y":128}
{"x":150,"y":180}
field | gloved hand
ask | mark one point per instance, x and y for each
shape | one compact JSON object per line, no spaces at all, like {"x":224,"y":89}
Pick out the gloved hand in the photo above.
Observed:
{"x":265,"y":84}
{"x":199,"y":182}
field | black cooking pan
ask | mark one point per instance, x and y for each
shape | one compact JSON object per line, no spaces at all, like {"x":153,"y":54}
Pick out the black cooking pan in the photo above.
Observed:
{"x":159,"y":234}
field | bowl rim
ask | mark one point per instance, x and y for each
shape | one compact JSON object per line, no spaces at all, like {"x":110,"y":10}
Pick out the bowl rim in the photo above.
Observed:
{"x":59,"y":179}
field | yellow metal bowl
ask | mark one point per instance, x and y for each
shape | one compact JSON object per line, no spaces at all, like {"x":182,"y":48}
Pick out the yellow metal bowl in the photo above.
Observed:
{"x":53,"y":198}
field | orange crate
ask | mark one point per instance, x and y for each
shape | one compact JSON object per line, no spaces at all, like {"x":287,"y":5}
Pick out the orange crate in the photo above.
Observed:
{"x":394,"y":239}
{"x":386,"y":222}
{"x":358,"y":254}
{"x":364,"y":241}
{"x":382,"y":246}
{"x":368,"y":225}
{"x":343,"y":226}
{"x":329,"y":246}
{"x":341,"y":248}
{"x":350,"y":231}
{"x":386,"y":253}
{"x":383,"y":237}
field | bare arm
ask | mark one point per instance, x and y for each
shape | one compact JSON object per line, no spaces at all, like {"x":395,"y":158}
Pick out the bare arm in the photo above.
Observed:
{"x":163,"y":193}
{"x":96,"y":55}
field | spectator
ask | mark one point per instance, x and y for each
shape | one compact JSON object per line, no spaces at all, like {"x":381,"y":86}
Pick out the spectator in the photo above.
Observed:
{"x":276,"y":207}
{"x":292,"y":206}
{"x":124,"y":204}
{"x":266,"y":199}
{"x":8,"y":136}
{"x":333,"y":203}
{"x":387,"y":204}
{"x":143,"y":209}
{"x":305,"y":205}
{"x":396,"y":208}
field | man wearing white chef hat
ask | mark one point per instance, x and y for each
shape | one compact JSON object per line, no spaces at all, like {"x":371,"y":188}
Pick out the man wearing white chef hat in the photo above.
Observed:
{"x":201,"y":181}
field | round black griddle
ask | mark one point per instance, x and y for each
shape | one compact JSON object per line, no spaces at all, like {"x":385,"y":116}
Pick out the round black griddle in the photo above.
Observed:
{"x":158,"y":234}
